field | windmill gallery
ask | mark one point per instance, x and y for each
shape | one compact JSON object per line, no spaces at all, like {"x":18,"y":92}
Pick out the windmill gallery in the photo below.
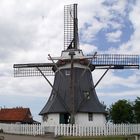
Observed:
{"x":73,"y":97}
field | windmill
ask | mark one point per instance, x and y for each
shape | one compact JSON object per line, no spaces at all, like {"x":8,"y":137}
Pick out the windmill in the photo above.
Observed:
{"x":73,"y":97}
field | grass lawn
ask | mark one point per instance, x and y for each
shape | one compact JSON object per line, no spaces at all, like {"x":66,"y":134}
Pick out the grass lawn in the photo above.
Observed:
{"x":97,"y":138}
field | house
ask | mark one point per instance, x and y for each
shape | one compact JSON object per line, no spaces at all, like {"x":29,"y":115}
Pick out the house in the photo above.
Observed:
{"x":16,"y":115}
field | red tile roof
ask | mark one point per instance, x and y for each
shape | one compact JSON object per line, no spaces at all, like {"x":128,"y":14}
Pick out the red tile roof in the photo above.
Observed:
{"x":15,"y":115}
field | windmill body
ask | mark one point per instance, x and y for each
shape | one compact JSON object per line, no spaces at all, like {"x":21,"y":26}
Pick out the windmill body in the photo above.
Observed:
{"x":79,"y":98}
{"x":73,"y":98}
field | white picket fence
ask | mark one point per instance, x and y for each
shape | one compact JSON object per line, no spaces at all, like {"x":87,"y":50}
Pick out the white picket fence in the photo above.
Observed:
{"x":27,"y":129}
{"x":71,"y":130}
{"x":104,"y":130}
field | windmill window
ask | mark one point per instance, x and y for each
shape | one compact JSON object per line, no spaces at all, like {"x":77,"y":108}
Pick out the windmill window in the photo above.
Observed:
{"x":90,"y":116}
{"x":67,"y":72}
{"x":45,"y":117}
{"x":87,"y":95}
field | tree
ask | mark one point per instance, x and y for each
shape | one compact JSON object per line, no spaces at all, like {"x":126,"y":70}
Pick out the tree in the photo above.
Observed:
{"x":121,"y":112}
{"x":136,"y":108}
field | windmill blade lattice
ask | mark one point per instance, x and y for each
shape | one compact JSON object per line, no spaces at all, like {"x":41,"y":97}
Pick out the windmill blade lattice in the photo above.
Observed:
{"x":29,"y":70}
{"x":116,"y":61}
{"x":70,"y":27}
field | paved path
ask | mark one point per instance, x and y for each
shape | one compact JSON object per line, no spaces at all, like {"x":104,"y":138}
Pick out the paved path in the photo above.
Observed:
{"x":21,"y":137}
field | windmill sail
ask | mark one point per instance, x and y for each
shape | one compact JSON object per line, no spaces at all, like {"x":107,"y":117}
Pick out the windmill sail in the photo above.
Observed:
{"x":116,"y":61}
{"x":70,"y":27}
{"x":29,"y":70}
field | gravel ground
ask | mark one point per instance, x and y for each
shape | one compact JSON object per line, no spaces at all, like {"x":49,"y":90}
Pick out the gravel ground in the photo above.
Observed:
{"x":21,"y":137}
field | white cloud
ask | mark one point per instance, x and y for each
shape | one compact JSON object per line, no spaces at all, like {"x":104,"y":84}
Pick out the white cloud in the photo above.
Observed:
{"x":119,"y":6}
{"x":114,"y":36}
{"x":132,"y":45}
{"x":120,"y":94}
{"x":33,"y":87}
{"x":110,"y":79}
{"x":88,"y":49}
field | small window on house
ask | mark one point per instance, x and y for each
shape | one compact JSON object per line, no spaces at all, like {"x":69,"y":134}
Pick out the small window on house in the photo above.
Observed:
{"x":87,"y":96}
{"x":90,"y":116}
{"x":67,"y":72}
{"x":45,"y":117}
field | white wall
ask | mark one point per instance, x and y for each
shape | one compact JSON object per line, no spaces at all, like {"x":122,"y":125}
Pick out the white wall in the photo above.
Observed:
{"x":51,"y":119}
{"x":82,"y":119}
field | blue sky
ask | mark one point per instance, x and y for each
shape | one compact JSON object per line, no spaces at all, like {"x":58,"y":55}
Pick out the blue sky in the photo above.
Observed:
{"x":30,"y":30}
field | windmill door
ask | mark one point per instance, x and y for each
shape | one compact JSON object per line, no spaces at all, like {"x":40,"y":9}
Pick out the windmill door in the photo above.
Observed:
{"x":64,"y":118}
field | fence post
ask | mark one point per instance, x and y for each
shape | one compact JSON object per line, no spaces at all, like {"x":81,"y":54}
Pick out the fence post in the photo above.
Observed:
{"x":76,"y":129}
{"x":55,"y":130}
{"x":81,"y":130}
{"x":73,"y":130}
{"x":67,"y":129}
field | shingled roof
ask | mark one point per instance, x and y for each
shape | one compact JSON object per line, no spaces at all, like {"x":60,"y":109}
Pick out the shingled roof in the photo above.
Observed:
{"x":85,"y":96}
{"x":13,"y":115}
